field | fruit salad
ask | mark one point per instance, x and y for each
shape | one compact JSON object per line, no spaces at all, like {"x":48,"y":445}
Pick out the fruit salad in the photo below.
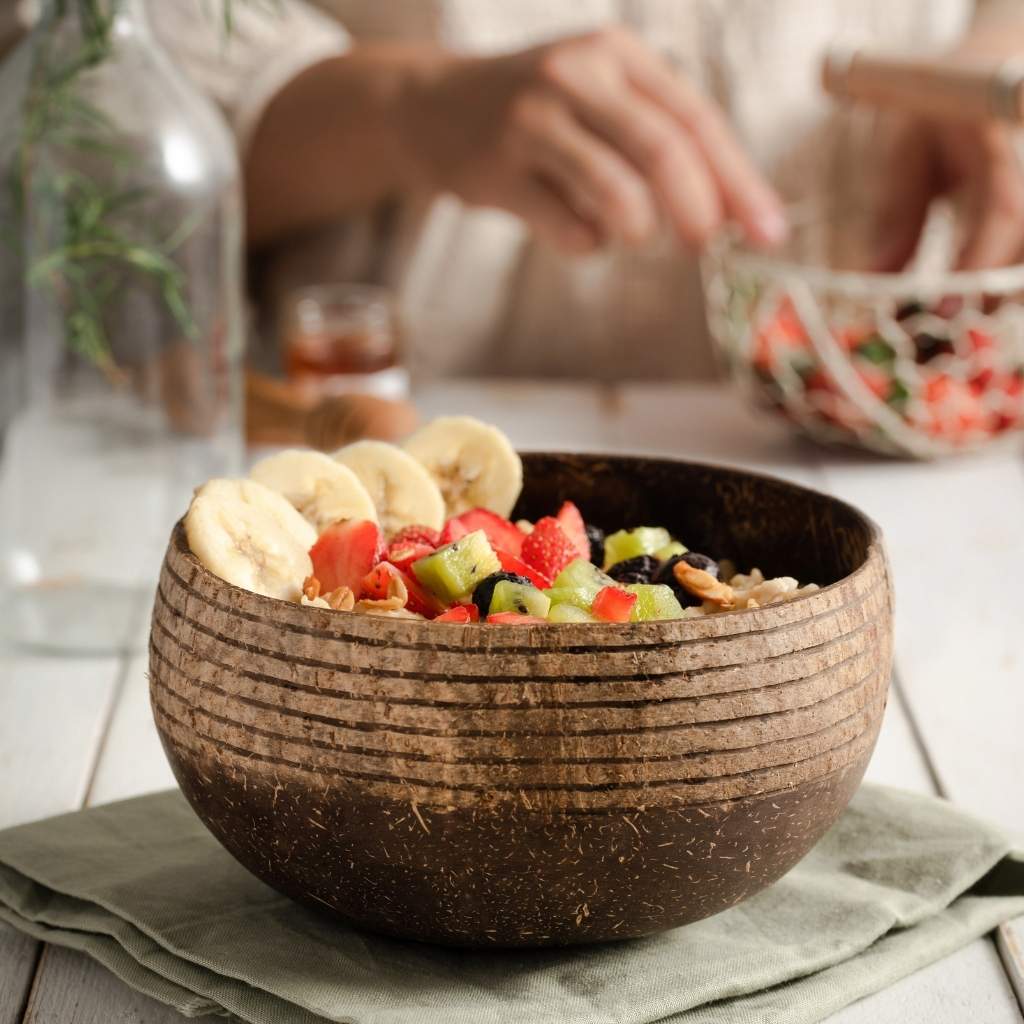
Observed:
{"x":423,"y":531}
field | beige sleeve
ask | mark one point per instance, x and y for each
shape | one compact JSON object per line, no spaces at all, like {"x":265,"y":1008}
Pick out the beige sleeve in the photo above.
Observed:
{"x":269,"y":44}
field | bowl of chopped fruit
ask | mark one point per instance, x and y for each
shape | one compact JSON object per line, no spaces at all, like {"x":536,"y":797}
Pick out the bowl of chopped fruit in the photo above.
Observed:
{"x":922,"y":363}
{"x":459,"y":694}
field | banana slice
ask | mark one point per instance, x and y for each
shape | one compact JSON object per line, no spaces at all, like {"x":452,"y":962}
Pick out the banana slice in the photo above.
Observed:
{"x":473,"y":463}
{"x":323,"y":490}
{"x":403,"y":492}
{"x":249,"y":535}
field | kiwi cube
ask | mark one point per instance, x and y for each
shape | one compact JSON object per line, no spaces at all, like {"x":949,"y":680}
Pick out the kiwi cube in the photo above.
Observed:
{"x":671,"y":550}
{"x":569,"y":613}
{"x":654,"y":601}
{"x":453,"y":571}
{"x":585,"y":578}
{"x":623,"y":544}
{"x":581,"y":599}
{"x":521,"y":598}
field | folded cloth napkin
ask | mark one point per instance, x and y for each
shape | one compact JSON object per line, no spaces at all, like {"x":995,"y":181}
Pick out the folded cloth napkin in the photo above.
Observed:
{"x":141,"y":886}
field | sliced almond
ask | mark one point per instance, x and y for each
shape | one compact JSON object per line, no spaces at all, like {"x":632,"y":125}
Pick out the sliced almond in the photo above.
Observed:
{"x":703,"y":585}
{"x":341,"y":599}
{"x":398,"y":597}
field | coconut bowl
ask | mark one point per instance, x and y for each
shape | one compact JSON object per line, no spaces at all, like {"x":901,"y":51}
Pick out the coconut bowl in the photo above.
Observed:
{"x":512,"y":786}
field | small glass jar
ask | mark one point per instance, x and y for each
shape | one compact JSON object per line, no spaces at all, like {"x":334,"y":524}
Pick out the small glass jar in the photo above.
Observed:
{"x":126,"y":260}
{"x":344,"y":339}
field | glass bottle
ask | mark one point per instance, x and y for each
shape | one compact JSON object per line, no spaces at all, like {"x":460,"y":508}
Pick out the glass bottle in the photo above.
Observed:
{"x":122,"y":221}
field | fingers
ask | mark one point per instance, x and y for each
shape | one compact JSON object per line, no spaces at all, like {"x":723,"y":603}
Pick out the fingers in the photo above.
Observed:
{"x":997,"y":198}
{"x":598,"y":183}
{"x":745,"y":194}
{"x":910,"y":186}
{"x":551,"y":216}
{"x":659,"y":149}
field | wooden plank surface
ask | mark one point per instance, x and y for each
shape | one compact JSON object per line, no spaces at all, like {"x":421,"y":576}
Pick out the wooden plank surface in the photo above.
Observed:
{"x":696,"y":423}
{"x":18,"y":956}
{"x":53,"y":715}
{"x":73,"y":989}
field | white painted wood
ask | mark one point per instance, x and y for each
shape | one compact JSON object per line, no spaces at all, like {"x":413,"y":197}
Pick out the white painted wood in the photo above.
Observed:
{"x":132,"y":761}
{"x":955,"y":532}
{"x":968,"y":987}
{"x":72,"y":989}
{"x":1010,"y":943}
{"x":53,"y":712}
{"x":698,"y":423}
{"x":18,"y":955}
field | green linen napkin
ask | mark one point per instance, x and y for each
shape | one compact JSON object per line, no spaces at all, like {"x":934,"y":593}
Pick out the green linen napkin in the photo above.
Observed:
{"x":141,"y":886}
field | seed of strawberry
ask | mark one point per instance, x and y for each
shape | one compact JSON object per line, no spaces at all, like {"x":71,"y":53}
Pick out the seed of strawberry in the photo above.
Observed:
{"x":575,"y":529}
{"x":548,"y":549}
{"x":416,"y":535}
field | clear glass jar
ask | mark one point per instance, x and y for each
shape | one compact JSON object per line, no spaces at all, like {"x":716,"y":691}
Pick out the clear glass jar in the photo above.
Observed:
{"x":127,"y":338}
{"x":344,"y":338}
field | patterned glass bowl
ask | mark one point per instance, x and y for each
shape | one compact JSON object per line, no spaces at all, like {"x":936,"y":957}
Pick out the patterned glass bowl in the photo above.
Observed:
{"x":922,"y":363}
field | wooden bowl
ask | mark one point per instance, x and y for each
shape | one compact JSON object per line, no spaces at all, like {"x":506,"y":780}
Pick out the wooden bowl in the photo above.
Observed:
{"x":538,"y":785}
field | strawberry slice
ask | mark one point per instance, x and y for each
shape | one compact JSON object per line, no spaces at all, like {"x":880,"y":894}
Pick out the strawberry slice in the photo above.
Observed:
{"x":514,"y":619}
{"x":375,"y":587}
{"x":571,"y":522}
{"x":401,"y":554}
{"x":460,"y":613}
{"x":502,"y":534}
{"x":417,"y":535}
{"x":548,"y":550}
{"x":345,"y":552}
{"x":612,"y":604}
{"x":512,"y":564}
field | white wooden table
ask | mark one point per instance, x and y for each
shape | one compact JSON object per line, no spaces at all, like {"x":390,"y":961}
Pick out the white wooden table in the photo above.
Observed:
{"x":76,"y":733}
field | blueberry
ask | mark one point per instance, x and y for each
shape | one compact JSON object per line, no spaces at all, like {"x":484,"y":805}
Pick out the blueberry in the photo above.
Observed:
{"x":928,"y":346}
{"x":596,"y":537}
{"x":485,"y":589}
{"x":640,"y":569}
{"x":667,"y":576}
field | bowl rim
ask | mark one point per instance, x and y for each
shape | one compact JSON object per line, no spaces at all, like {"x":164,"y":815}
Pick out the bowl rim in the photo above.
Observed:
{"x":731,"y":247}
{"x":578,"y":633}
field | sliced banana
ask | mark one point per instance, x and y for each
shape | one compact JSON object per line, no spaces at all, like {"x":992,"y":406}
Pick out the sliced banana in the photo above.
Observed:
{"x":473,"y":463}
{"x":323,"y":490}
{"x":250,"y":536}
{"x":403,"y":492}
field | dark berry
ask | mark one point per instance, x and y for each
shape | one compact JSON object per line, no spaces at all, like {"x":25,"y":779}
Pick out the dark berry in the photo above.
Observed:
{"x":668,"y":577}
{"x":485,"y":589}
{"x":909,"y":309}
{"x":640,"y":569}
{"x":596,"y":537}
{"x":928,"y":346}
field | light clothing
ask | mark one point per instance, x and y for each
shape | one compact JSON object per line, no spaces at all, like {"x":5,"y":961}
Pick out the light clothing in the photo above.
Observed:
{"x":479,"y":294}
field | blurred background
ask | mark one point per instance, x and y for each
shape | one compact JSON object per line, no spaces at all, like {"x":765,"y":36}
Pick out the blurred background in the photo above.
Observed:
{"x":277,"y":223}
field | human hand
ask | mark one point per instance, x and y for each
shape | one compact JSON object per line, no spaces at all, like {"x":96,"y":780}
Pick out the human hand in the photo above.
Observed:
{"x":973,"y":162}
{"x":587,"y":139}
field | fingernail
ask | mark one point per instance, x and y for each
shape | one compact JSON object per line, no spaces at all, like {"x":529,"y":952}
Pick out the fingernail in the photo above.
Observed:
{"x":772,"y":225}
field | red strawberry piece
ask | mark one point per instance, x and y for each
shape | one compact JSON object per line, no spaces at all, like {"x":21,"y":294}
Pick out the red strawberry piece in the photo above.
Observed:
{"x":938,"y":389}
{"x":402,"y":554}
{"x":458,"y":613}
{"x":503,"y":535}
{"x":417,"y":535}
{"x":877,"y":380}
{"x":613,"y":604}
{"x":548,"y":549}
{"x":420,"y":599}
{"x":345,"y":552}
{"x":980,"y":340}
{"x":514,"y":619}
{"x":512,"y":564}
{"x":375,"y":583}
{"x":571,"y":522}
